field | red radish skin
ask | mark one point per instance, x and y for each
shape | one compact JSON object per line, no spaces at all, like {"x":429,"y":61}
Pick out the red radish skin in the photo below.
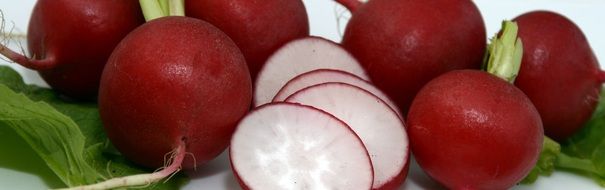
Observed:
{"x":257,"y":27}
{"x":301,"y":56}
{"x":404,"y":44}
{"x":320,"y":76}
{"x":378,"y":126}
{"x":292,"y":146}
{"x":174,"y":78}
{"x":559,"y":72}
{"x":70,"y":41}
{"x":472,"y":130}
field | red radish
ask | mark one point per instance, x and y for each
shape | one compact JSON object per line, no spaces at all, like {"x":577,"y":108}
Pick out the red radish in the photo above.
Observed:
{"x":559,"y":73}
{"x":329,"y":75}
{"x":300,"y":56}
{"x":175,"y":84}
{"x":472,"y":130}
{"x":70,"y":41}
{"x":404,"y":44}
{"x":291,"y":146}
{"x":258,"y":28}
{"x":378,"y":126}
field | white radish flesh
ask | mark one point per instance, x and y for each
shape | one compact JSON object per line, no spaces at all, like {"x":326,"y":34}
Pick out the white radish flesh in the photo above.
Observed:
{"x":378,"y":126}
{"x":320,"y":76}
{"x":292,"y":146}
{"x":300,"y":56}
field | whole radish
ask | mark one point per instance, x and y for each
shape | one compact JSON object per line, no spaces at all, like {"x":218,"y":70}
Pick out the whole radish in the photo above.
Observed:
{"x":174,"y":85}
{"x":470,"y":129}
{"x":559,"y":73}
{"x":403,"y":44}
{"x":70,"y":41}
{"x":257,"y":27}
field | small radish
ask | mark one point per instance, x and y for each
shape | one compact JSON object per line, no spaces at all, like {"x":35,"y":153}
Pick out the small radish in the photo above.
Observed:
{"x":291,"y":146}
{"x":379,"y":127}
{"x":404,"y":44}
{"x":559,"y":73}
{"x":175,"y":84}
{"x":300,"y":56}
{"x":472,"y":130}
{"x":320,"y":76}
{"x":70,"y":41}
{"x":257,"y":27}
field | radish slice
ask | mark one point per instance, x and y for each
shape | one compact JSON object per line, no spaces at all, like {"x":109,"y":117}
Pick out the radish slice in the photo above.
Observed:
{"x":292,"y":146}
{"x":300,"y":56}
{"x":378,"y":126}
{"x":320,"y":76}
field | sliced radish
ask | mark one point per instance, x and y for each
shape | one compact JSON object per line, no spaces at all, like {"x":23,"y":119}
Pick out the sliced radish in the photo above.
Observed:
{"x":300,"y":56}
{"x":292,"y":146}
{"x":330,"y":75}
{"x":378,"y":126}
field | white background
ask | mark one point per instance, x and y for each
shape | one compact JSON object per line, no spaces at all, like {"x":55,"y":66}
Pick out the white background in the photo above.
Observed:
{"x":587,"y":14}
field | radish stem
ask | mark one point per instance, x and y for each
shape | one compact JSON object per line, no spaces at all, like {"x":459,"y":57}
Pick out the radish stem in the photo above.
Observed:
{"x":177,"y":8}
{"x":142,"y":179}
{"x":504,"y":54}
{"x":151,"y":9}
{"x":43,"y":64}
{"x":164,"y":5}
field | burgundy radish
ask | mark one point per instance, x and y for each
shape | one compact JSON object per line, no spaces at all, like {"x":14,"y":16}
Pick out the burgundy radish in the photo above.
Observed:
{"x":258,"y":28}
{"x":320,"y":76}
{"x":69,"y":41}
{"x":300,"y":56}
{"x":404,"y":44}
{"x":291,"y":146}
{"x":470,"y":129}
{"x":559,"y":73}
{"x":175,"y":84}
{"x":379,"y":127}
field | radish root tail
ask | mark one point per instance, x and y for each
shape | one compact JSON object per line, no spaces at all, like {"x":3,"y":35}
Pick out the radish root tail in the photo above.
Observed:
{"x":16,"y":57}
{"x":144,"y":180}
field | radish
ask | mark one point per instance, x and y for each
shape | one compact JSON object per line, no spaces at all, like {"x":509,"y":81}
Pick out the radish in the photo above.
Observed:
{"x":291,"y":146}
{"x":329,"y":75}
{"x":378,"y":126}
{"x":297,"y":57}
{"x":472,"y":130}
{"x":70,"y":41}
{"x":175,"y":84}
{"x":404,"y":44}
{"x":257,"y":28}
{"x":559,"y":73}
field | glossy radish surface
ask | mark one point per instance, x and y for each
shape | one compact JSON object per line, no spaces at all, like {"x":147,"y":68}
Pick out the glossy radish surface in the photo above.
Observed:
{"x":403,"y":44}
{"x":378,"y":126}
{"x":70,"y":41}
{"x":291,"y":146}
{"x":257,"y":27}
{"x":300,"y":56}
{"x":559,"y":72}
{"x":471,"y":130}
{"x":159,"y":88}
{"x":329,"y":75}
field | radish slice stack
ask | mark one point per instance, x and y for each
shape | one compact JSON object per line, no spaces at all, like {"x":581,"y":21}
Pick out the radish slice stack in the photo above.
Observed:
{"x":300,"y":141}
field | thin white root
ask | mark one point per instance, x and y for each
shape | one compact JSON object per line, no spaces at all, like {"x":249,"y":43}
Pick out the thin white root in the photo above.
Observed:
{"x":141,"y":179}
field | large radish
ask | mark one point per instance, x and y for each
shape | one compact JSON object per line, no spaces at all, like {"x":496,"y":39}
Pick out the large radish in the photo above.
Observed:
{"x":559,"y":72}
{"x":300,"y":56}
{"x":472,"y":130}
{"x":70,"y":41}
{"x":291,"y":146}
{"x":403,"y":44}
{"x":175,"y":84}
{"x":379,"y":127}
{"x":257,"y":27}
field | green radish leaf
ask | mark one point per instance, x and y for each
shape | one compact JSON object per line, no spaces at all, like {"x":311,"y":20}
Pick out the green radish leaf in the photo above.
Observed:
{"x":546,"y":163}
{"x":67,"y":135}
